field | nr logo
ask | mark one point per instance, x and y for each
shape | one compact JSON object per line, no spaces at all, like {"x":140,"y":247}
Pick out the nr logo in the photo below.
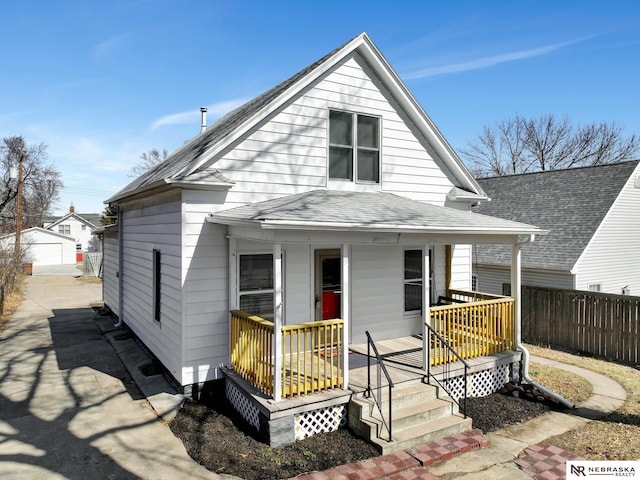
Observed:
{"x":578,"y":470}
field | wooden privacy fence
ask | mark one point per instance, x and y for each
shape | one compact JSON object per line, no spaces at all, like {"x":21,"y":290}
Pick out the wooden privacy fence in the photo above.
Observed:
{"x":311,"y":354}
{"x":600,"y":324}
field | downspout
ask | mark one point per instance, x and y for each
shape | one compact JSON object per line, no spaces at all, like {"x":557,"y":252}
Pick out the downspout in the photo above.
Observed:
{"x":516,"y":289}
{"x":120,"y":266}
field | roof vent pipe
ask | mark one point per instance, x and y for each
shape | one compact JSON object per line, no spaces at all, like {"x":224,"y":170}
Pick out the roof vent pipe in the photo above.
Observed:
{"x":203,"y":126}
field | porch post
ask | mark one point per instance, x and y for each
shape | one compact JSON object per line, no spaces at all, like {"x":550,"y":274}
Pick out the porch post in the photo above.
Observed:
{"x":516,"y":291}
{"x":277,"y":322}
{"x":426,"y":303}
{"x":233,"y":275}
{"x":346,"y":297}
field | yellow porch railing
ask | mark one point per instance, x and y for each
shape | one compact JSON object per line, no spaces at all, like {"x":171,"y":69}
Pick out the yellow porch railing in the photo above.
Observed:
{"x":312,"y":354}
{"x":474,"y":329}
{"x":252,"y":350}
{"x":312,"y":357}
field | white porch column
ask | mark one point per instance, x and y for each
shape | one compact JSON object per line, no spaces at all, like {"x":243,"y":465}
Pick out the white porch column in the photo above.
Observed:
{"x":233,"y":275}
{"x":345,"y":308}
{"x":516,"y":291}
{"x":277,"y":321}
{"x":233,"y":286}
{"x":426,"y":303}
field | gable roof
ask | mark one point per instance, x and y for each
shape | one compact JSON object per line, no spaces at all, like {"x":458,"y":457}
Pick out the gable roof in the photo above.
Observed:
{"x":81,"y":219}
{"x":570,"y":204}
{"x":375,"y":211}
{"x":43,"y":231}
{"x":194,"y":155}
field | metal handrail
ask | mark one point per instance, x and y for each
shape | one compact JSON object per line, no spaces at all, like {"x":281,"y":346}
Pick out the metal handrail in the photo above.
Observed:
{"x":447,"y":368}
{"x":369,"y":392}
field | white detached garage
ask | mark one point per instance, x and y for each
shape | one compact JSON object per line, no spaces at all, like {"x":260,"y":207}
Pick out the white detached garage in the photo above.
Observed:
{"x":45,"y":247}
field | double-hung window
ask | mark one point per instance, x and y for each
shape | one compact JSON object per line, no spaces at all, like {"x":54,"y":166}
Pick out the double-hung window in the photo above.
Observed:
{"x":64,"y":229}
{"x":413,"y":281}
{"x":354,"y":147}
{"x":255,"y":285}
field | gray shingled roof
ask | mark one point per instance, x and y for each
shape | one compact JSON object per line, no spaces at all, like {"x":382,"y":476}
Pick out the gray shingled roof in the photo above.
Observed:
{"x":179,"y":161}
{"x":365,"y":210}
{"x":570,"y":204}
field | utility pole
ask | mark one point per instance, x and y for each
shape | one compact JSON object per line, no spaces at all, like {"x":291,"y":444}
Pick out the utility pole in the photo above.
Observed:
{"x":19,"y":209}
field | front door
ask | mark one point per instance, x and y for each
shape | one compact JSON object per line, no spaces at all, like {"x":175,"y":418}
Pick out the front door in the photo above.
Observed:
{"x":328,"y":285}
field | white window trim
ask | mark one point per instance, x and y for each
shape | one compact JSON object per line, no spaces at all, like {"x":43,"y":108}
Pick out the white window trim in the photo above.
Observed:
{"x":252,"y":292}
{"x":354,"y":136}
{"x":405,"y":281}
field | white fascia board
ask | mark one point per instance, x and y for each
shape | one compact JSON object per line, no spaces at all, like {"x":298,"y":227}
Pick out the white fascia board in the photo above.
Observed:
{"x":383,"y":228}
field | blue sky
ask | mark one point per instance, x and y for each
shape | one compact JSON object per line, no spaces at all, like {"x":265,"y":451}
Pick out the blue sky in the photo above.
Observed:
{"x":101,"y":82}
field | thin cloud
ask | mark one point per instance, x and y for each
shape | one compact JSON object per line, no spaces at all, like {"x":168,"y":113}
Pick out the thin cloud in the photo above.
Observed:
{"x":487,"y":61}
{"x":193,"y":116}
{"x":110,"y":45}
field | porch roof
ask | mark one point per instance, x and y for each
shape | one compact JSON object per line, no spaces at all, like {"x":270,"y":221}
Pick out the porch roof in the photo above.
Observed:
{"x":365,"y":211}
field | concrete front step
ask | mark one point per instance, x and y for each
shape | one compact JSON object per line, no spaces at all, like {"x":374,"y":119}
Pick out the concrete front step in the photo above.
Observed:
{"x":423,"y":432}
{"x":418,"y":416}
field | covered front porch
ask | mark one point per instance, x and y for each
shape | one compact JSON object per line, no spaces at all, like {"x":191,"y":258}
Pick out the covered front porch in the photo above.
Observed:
{"x":304,"y":295}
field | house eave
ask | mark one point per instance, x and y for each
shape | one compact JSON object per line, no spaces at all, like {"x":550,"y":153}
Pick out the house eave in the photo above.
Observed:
{"x":166,"y":184}
{"x":270,"y":224}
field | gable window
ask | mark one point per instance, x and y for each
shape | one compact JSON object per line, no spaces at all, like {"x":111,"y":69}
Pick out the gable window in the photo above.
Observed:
{"x":354,"y":147}
{"x":255,"y":285}
{"x":64,"y":229}
{"x":413,"y":281}
{"x":156,"y":284}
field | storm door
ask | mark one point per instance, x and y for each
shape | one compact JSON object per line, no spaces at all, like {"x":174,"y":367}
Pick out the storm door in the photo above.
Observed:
{"x":328,"y":285}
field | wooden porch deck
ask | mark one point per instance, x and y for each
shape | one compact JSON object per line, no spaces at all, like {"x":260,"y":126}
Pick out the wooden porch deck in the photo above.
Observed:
{"x":404,"y":361}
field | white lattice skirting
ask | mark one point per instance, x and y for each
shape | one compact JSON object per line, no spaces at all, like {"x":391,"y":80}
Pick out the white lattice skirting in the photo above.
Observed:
{"x":243,"y":406}
{"x":479,"y":384}
{"x":323,"y":420}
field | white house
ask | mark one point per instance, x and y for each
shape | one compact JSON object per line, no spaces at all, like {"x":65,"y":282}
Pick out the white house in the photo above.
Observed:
{"x":79,"y":227}
{"x":328,"y":207}
{"x":593,"y":218}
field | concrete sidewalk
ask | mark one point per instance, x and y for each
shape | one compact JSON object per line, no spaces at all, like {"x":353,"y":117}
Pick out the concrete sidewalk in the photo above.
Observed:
{"x":68,"y":407}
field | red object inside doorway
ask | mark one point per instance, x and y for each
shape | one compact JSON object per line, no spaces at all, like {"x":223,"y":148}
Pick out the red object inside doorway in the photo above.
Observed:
{"x":330,"y":305}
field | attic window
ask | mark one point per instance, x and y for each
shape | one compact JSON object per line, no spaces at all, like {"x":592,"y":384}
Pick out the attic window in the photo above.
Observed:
{"x":354,"y":147}
{"x":64,"y":229}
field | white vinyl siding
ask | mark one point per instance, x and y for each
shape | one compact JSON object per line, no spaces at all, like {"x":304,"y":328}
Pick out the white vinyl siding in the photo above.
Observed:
{"x":377,"y":294}
{"x":205,"y":289}
{"x":288,"y":153}
{"x":150,"y":225}
{"x":110,"y":272}
{"x":492,"y":279}
{"x":612,"y":258}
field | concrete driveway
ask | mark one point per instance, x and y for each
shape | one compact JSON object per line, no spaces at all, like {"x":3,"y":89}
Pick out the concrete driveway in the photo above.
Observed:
{"x":68,"y":407}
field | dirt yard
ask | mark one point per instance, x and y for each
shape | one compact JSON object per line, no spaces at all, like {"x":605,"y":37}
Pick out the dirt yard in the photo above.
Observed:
{"x":216,"y":437}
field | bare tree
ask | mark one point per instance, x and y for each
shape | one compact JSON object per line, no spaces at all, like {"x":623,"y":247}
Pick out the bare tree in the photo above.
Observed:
{"x":148,"y":160}
{"x":41,"y":183}
{"x":521,"y":145}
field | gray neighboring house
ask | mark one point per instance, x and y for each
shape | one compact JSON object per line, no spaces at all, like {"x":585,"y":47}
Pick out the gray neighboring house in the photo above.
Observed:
{"x":593,"y":218}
